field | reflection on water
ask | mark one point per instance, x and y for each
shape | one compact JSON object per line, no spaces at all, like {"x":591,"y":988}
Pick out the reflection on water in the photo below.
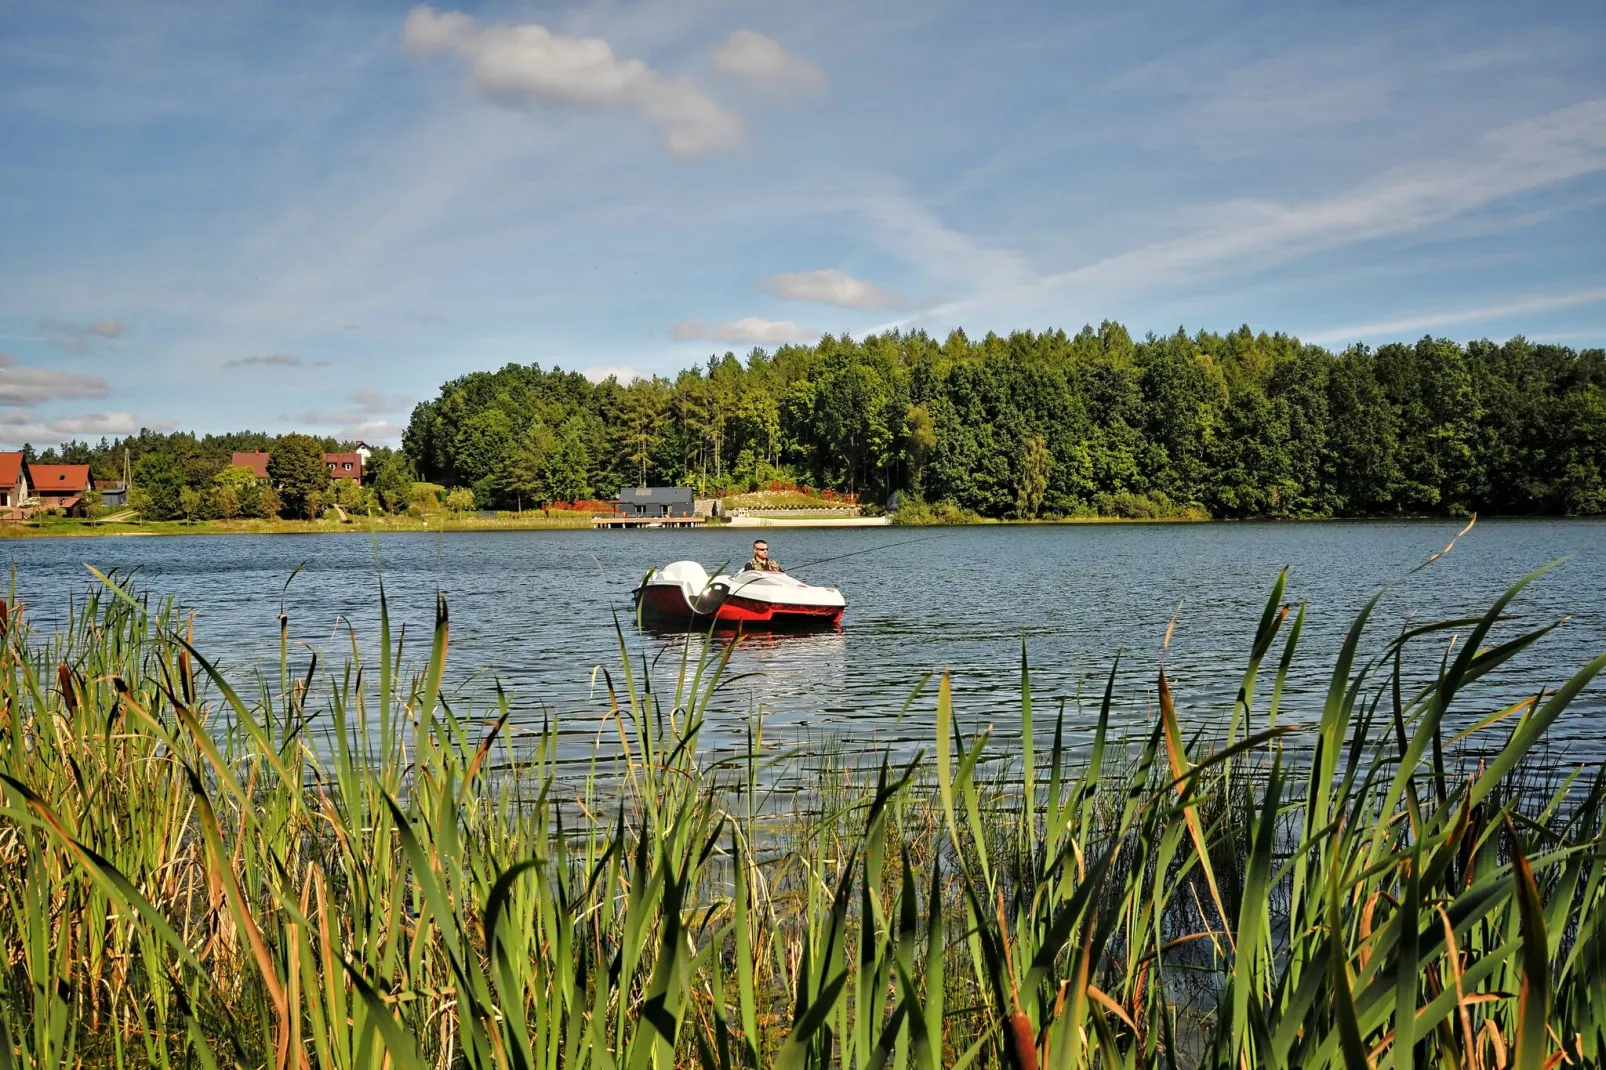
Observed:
{"x":537,"y":611}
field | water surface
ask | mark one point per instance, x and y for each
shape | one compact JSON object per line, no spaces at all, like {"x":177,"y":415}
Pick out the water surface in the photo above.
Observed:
{"x":535,"y":611}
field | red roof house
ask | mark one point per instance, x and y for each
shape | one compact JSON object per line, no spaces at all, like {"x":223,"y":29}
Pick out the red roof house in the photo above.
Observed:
{"x":60,"y":486}
{"x":344,"y":465}
{"x":13,"y":481}
{"x":341,"y":465}
{"x":256,"y":460}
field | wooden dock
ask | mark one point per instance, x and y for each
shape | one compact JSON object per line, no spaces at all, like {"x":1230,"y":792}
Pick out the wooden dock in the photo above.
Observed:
{"x":645,"y":521}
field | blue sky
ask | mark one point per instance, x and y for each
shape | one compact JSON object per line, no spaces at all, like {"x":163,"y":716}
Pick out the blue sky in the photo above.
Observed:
{"x":308,"y":215}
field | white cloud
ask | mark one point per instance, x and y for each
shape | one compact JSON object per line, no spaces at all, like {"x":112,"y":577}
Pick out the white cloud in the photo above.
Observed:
{"x":761,"y":63}
{"x":1477,"y":314}
{"x":921,"y":238}
{"x":830,"y":287}
{"x":1254,"y":235}
{"x":274,"y":360}
{"x":527,"y":64}
{"x":377,"y":432}
{"x":21,"y":384}
{"x":1524,"y":156}
{"x":18,"y":425}
{"x":598,"y":373}
{"x":71,"y":338}
{"x":374,"y":402}
{"x":367,"y":404}
{"x":751,"y":329}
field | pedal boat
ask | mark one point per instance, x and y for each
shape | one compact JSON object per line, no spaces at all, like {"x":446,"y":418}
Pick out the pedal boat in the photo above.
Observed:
{"x":683,"y":593}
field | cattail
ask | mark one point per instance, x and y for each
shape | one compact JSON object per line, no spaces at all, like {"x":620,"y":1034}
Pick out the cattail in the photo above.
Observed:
{"x":1022,"y":1042}
{"x":69,"y":695}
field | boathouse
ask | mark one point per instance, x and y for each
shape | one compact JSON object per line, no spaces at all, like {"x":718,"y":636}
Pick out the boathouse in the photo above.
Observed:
{"x":650,"y":502}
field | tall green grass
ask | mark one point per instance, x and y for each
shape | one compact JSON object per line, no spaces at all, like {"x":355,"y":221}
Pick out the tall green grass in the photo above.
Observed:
{"x":331,"y":867}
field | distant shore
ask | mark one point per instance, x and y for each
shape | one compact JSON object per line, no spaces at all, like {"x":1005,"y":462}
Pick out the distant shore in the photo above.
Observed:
{"x":60,"y":528}
{"x":57,"y":527}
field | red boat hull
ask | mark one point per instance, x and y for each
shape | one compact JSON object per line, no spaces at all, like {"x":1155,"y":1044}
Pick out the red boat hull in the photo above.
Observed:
{"x":665,"y":602}
{"x":739,"y":610}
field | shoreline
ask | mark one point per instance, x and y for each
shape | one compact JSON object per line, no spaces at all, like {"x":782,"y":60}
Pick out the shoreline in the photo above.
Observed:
{"x":409,"y":525}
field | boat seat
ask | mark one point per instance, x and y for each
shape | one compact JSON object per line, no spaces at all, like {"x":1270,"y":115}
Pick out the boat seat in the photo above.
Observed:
{"x":688,"y":574}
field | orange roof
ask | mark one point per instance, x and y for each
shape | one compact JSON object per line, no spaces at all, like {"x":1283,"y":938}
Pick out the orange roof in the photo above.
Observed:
{"x":10,"y":469}
{"x":256,"y":460}
{"x":56,"y":479}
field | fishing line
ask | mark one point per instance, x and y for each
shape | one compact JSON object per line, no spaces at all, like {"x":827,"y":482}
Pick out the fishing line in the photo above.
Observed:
{"x":870,"y":549}
{"x":840,"y":557}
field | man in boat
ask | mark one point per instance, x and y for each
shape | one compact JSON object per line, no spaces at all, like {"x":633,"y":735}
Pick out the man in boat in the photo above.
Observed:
{"x":762,"y":561}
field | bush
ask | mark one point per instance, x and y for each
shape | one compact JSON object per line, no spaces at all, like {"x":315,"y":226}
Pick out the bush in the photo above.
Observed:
{"x":460,"y":500}
{"x":269,"y":504}
{"x":914,"y":511}
{"x":1151,"y":506}
{"x":425,"y":498}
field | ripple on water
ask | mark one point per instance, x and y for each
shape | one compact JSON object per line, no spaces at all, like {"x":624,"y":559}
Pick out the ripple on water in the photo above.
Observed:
{"x":532,"y":609}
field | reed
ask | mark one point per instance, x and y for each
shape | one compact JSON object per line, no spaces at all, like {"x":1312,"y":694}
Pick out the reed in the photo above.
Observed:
{"x":331,"y":867}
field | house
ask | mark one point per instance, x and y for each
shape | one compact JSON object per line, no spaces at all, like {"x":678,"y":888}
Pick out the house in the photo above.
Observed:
{"x":13,"y":483}
{"x":654,"y":501}
{"x":60,"y":486}
{"x":344,"y":465}
{"x":113,"y":492}
{"x":341,"y":465}
{"x":256,"y":460}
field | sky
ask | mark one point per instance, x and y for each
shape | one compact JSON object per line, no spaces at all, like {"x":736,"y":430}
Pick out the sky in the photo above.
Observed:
{"x":308,"y":216}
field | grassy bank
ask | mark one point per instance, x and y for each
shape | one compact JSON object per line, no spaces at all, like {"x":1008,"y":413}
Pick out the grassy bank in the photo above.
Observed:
{"x":527,"y":521}
{"x":331,"y":867}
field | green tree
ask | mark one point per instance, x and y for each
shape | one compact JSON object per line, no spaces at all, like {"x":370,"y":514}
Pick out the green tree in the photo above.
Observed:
{"x":190,"y":501}
{"x":393,"y":480}
{"x":523,"y":475}
{"x":919,"y":436}
{"x":481,"y":448}
{"x":349,"y":495}
{"x":239,"y":478}
{"x":646,"y":400}
{"x":460,"y":499}
{"x":567,"y":464}
{"x":226,"y":500}
{"x":1036,"y":465}
{"x":158,"y":479}
{"x":297,"y":470}
{"x":269,"y":504}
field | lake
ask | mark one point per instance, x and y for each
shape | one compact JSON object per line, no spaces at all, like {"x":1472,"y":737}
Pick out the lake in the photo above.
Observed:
{"x":532,"y":609}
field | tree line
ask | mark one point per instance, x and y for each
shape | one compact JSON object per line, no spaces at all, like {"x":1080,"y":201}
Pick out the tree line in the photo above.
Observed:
{"x":1049,"y":425}
{"x":1029,"y":425}
{"x":183,"y":476}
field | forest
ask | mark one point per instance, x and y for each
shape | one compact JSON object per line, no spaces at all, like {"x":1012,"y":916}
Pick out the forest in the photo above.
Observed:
{"x":1035,"y":425}
{"x":1052,"y":425}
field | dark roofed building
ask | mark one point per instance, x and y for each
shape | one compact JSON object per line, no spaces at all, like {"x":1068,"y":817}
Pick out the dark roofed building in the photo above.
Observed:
{"x":654,"y":501}
{"x":113,"y":492}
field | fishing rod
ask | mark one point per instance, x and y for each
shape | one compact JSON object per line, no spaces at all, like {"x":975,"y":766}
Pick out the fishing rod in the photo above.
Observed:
{"x":870,"y":549}
{"x":839,"y":557}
